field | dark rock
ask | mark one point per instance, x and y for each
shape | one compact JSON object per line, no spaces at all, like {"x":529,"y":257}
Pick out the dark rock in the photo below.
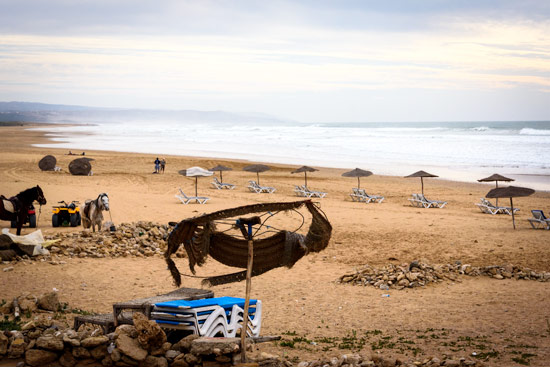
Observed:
{"x":184,"y":345}
{"x":67,"y":359}
{"x":80,"y":167}
{"x":81,"y":353}
{"x":47,"y":163}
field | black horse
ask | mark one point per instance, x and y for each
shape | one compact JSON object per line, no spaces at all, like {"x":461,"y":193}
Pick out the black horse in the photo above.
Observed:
{"x":17,"y":207}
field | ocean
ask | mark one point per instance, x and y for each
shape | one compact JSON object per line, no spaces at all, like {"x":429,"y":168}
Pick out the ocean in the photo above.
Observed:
{"x":463,"y":151}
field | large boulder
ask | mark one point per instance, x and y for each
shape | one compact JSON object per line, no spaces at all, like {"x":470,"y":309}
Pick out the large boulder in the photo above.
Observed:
{"x":49,"y":301}
{"x":47,"y":163}
{"x":38,"y":357}
{"x":80,"y":167}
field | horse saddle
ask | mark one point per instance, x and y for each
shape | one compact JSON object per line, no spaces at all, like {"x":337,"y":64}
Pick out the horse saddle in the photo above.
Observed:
{"x":11,"y":204}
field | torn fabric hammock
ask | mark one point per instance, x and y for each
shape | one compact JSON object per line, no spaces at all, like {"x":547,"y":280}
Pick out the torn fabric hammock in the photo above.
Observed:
{"x":285,"y":248}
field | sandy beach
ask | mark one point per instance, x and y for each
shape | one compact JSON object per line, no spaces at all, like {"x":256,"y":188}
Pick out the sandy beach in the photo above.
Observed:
{"x":472,"y":315}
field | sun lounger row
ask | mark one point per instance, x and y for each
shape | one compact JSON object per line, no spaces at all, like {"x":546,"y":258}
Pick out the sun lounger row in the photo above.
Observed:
{"x":361,"y":195}
{"x":539,"y":220}
{"x":187,"y":199}
{"x":209,"y":317}
{"x":254,"y":187}
{"x":488,"y":208}
{"x":420,"y":201}
{"x":222,"y":185}
{"x":305,"y":192}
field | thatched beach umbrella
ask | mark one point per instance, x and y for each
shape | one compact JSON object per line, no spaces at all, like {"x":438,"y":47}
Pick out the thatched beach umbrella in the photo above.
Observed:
{"x":305,"y":170}
{"x":80,"y":167}
{"x":47,"y":163}
{"x":220,"y":169}
{"x":358,"y":172}
{"x":496,"y":177}
{"x":421,"y":174}
{"x":510,"y":192}
{"x":195,"y":172}
{"x":257,"y":168}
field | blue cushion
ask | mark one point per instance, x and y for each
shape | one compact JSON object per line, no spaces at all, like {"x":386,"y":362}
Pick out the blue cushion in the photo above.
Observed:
{"x":225,"y":302}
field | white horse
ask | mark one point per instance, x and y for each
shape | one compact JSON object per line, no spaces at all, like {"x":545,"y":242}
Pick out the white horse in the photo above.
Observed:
{"x":91,"y":213}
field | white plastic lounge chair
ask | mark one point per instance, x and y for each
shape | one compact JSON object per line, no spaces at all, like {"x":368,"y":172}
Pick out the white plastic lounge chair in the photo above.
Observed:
{"x":356,"y":196}
{"x":312,"y":193}
{"x":301,"y":192}
{"x":420,"y":201}
{"x":254,"y":187}
{"x":487,"y":207}
{"x":222,"y":185}
{"x":209,"y":317}
{"x":368,"y":198}
{"x":187,"y":199}
{"x":539,"y":220}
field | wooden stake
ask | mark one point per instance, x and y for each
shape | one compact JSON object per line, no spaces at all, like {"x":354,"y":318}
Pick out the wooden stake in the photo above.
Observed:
{"x":513,"y":219}
{"x":244,"y":328}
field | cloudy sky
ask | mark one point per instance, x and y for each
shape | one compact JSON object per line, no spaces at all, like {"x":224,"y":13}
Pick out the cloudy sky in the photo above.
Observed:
{"x":311,"y":61}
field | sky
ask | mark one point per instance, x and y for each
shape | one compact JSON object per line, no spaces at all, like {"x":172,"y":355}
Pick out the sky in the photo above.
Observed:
{"x":308,"y":61}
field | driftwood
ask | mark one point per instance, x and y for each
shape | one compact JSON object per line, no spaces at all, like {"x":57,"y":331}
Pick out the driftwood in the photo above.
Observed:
{"x":285,"y":248}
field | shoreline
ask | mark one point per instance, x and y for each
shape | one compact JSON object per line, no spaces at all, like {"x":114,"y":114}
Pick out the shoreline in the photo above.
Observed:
{"x":540,"y":182}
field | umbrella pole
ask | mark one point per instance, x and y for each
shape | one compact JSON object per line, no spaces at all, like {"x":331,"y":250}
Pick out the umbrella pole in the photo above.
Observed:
{"x":258,"y":176}
{"x":244,"y":328}
{"x":358,"y":182}
{"x":512,"y":206}
{"x":422,"y":182}
{"x":221,"y":176}
{"x":305,"y":175}
{"x":497,"y":188}
{"x":196,"y":183}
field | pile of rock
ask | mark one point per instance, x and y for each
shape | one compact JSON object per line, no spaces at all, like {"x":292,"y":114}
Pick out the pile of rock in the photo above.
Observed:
{"x":43,"y":340}
{"x":141,"y":239}
{"x":377,"y":360}
{"x":418,"y":274}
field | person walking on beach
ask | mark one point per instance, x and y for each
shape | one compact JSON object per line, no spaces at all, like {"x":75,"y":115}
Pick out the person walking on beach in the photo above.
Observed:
{"x":157,"y":165}
{"x":162,"y":164}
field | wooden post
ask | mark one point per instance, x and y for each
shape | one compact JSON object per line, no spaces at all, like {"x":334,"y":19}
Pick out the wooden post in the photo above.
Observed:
{"x":422,"y":181}
{"x":513,"y":219}
{"x":244,"y":328}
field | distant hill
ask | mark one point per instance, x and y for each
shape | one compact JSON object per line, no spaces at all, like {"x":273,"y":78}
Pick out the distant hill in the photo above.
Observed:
{"x":42,"y":112}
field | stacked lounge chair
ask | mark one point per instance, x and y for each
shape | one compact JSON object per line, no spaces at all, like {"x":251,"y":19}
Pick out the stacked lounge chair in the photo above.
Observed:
{"x":187,"y":199}
{"x":488,"y":208}
{"x":209,"y":317}
{"x":361,"y":195}
{"x":539,"y":220}
{"x":420,"y":201}
{"x":254,"y":187}
{"x":222,"y":185}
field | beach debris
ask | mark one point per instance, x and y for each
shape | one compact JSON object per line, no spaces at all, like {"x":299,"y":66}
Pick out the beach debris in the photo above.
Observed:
{"x":80,"y":167}
{"x":420,"y":274}
{"x":47,"y":163}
